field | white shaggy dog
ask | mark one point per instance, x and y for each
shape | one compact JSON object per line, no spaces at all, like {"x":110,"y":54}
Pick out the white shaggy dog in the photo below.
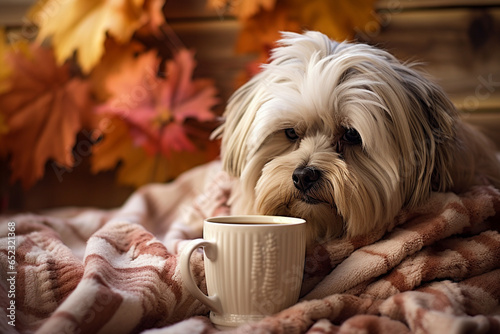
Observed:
{"x":345,"y":136}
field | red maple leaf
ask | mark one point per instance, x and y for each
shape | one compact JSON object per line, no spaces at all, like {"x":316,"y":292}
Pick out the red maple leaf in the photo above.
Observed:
{"x":157,"y":108}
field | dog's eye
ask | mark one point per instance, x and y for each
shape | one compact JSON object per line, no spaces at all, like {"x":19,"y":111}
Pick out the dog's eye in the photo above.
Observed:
{"x":291,"y":134}
{"x":352,"y":137}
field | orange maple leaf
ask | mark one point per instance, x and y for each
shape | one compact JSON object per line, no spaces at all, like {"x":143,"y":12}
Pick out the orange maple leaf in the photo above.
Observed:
{"x":4,"y":67}
{"x":117,"y":57}
{"x":260,"y":33}
{"x":43,"y":110}
{"x":82,"y":25}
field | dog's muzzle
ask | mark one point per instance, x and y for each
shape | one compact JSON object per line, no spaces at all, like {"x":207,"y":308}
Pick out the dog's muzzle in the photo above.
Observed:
{"x":305,"y":177}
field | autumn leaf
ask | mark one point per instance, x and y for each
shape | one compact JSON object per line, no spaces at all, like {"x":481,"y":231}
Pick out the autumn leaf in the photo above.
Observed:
{"x":136,"y":166}
{"x":5,"y":71}
{"x":340,"y":20}
{"x":158,"y":110}
{"x":82,"y":25}
{"x":116,"y":58}
{"x":260,"y":33}
{"x":4,"y":66}
{"x":43,"y":110}
{"x":243,"y":9}
{"x":154,"y":12}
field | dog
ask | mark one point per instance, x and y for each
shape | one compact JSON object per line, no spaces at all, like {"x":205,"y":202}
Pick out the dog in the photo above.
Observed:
{"x":345,"y":136}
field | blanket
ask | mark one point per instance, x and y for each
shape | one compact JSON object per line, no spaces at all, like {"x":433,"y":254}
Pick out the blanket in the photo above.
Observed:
{"x":437,"y":269}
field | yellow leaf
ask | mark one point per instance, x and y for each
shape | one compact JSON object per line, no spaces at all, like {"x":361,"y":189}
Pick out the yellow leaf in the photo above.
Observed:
{"x":116,"y":148}
{"x":139,"y":168}
{"x":82,"y":25}
{"x":136,"y":166}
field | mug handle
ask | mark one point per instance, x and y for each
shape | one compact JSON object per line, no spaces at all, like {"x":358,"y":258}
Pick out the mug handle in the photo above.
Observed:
{"x":213,"y":302}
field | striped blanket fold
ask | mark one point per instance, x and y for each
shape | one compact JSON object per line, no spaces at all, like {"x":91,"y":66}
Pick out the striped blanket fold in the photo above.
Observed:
{"x":94,"y":271}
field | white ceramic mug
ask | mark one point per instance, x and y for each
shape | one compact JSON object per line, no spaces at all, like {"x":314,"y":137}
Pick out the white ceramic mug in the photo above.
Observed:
{"x":253,"y":266}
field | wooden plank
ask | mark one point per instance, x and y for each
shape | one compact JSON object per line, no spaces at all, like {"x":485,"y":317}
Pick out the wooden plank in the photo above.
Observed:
{"x":459,"y":48}
{"x":11,"y":15}
{"x":420,"y":4}
{"x":13,"y":11}
{"x":488,"y":123}
{"x":192,"y":9}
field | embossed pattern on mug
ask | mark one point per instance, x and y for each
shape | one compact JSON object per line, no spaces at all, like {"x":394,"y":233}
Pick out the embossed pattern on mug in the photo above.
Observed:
{"x":251,"y":283}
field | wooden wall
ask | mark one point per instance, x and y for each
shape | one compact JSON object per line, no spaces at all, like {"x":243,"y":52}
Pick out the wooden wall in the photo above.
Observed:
{"x":457,"y":42}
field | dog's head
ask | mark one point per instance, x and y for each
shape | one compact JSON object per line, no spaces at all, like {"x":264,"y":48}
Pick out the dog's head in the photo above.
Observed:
{"x":343,"y":135}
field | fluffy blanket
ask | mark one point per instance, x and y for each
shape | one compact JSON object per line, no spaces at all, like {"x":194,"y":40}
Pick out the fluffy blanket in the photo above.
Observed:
{"x":93,"y":271}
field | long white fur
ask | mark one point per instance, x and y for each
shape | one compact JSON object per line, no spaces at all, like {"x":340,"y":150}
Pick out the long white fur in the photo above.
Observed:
{"x":413,"y":141}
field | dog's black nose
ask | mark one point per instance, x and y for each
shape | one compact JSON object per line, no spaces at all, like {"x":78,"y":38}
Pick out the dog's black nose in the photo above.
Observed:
{"x":304,"y":177}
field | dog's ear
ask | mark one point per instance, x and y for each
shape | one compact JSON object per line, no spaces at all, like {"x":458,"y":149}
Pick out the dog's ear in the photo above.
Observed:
{"x":456,"y":155}
{"x":434,"y":122}
{"x":238,"y":123}
{"x":442,"y":117}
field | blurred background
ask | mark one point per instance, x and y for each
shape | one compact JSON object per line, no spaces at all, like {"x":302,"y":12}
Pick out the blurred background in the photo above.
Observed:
{"x":99,"y":97}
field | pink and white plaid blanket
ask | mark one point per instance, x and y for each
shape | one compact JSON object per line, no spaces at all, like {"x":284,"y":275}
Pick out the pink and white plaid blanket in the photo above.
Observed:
{"x":96,"y":271}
